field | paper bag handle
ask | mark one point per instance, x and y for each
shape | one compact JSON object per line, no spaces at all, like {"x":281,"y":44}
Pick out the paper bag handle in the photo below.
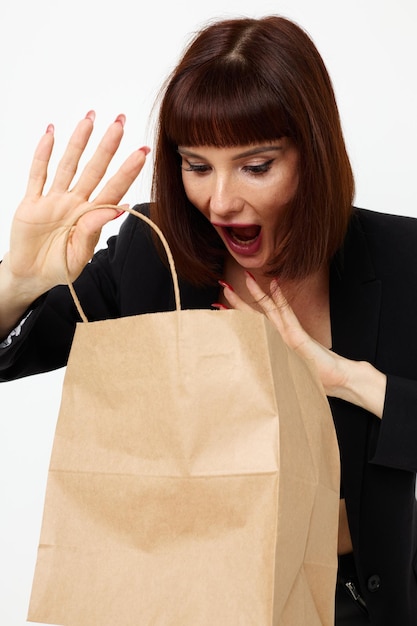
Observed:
{"x":148,"y":221}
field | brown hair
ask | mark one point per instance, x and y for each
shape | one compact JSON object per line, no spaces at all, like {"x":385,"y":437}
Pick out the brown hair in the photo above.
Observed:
{"x":244,"y":81}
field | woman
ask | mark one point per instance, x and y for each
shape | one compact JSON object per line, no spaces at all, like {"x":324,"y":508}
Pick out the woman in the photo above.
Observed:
{"x":253,"y":188}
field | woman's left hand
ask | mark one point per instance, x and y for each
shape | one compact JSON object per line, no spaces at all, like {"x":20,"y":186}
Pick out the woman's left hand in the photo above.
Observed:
{"x":354,"y":381}
{"x":280,"y":313}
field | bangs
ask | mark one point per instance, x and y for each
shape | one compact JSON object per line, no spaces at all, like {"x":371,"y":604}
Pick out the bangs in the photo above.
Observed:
{"x":225,"y":107}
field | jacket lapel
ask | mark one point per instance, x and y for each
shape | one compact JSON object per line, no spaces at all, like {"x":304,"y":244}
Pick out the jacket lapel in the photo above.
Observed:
{"x":355,"y":299}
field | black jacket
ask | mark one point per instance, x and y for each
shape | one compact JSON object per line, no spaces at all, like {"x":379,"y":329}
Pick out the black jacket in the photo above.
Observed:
{"x":373,"y":306}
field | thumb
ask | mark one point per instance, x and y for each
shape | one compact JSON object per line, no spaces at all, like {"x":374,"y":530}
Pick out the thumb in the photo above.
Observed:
{"x":93,"y":220}
{"x":84,"y":235}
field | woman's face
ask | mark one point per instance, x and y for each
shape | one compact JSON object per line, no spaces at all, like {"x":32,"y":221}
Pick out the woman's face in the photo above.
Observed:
{"x":243,"y":191}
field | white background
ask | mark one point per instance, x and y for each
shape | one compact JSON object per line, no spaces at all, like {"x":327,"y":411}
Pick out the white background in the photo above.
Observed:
{"x":58,"y":60}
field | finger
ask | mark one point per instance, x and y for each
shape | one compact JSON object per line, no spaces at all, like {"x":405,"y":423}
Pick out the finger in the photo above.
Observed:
{"x":87,"y":232}
{"x":91,"y":223}
{"x":118,"y":185}
{"x":233,"y":299}
{"x":39,"y":167}
{"x":95,"y":169}
{"x":283,"y":306}
{"x":265,"y":301}
{"x":271,"y":306}
{"x":67,"y":166}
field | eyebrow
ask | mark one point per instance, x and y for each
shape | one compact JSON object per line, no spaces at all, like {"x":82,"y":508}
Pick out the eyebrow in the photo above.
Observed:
{"x":250,"y":152}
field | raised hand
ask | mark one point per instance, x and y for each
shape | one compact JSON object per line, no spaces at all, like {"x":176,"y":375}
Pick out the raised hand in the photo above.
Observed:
{"x":280,"y":313}
{"x":35,"y":261}
{"x":40,"y":225}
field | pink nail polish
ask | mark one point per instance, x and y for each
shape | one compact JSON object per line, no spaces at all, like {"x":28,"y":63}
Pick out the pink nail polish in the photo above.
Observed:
{"x":117,"y":215}
{"x":91,"y":115}
{"x":145,"y":149}
{"x":224,"y":284}
{"x":218,"y":305}
{"x":50,"y":129}
{"x":121,"y":119}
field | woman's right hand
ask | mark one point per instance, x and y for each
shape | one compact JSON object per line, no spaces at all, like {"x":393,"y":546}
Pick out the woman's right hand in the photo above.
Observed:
{"x":35,"y":261}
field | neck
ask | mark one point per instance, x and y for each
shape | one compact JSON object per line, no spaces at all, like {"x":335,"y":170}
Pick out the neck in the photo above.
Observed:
{"x":308,"y":297}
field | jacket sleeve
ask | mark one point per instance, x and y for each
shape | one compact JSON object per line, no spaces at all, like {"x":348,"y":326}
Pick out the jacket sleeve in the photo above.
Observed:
{"x":381,"y":259}
{"x":43,"y":341}
{"x":397,"y":440}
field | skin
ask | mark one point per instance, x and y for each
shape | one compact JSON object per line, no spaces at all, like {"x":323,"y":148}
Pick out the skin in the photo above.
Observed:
{"x":244,"y":185}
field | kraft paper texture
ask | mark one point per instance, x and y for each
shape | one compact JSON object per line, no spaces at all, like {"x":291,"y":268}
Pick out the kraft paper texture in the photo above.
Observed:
{"x":194,"y":479}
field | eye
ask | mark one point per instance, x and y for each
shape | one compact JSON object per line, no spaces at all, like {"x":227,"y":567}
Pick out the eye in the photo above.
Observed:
{"x":199,"y":168}
{"x":262,"y":168}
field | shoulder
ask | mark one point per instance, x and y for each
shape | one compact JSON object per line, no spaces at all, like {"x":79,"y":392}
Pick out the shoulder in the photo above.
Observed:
{"x":391,"y":239}
{"x":386,"y":225}
{"x":128,"y":273}
{"x":134,"y":243}
{"x":133,"y":225}
{"x":378,"y":245}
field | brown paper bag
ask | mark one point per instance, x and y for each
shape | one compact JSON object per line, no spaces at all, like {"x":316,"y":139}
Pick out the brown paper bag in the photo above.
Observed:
{"x":194,"y":479}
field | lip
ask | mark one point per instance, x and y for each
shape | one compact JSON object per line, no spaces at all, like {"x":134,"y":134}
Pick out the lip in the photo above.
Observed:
{"x":245,"y":249}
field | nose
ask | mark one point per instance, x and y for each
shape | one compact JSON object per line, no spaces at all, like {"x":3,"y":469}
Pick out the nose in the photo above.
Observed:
{"x":225,"y":200}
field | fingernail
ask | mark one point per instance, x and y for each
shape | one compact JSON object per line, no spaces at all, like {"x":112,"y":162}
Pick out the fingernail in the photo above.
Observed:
{"x":117,"y":215}
{"x":274,"y":287}
{"x":145,"y":149}
{"x":91,"y":115}
{"x":50,"y":129}
{"x":121,"y":119}
{"x":224,"y":284}
{"x":250,"y":275}
{"x":218,"y":305}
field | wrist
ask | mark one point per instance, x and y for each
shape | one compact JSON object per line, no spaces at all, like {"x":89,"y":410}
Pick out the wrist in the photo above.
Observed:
{"x":364,"y":386}
{"x":16,"y":296}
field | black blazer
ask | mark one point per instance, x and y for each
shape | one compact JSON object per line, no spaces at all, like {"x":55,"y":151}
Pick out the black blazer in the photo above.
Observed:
{"x":373,"y":306}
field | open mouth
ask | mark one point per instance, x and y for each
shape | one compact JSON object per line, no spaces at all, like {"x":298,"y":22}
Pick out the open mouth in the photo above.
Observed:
{"x":244,"y":240}
{"x":244,"y":235}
